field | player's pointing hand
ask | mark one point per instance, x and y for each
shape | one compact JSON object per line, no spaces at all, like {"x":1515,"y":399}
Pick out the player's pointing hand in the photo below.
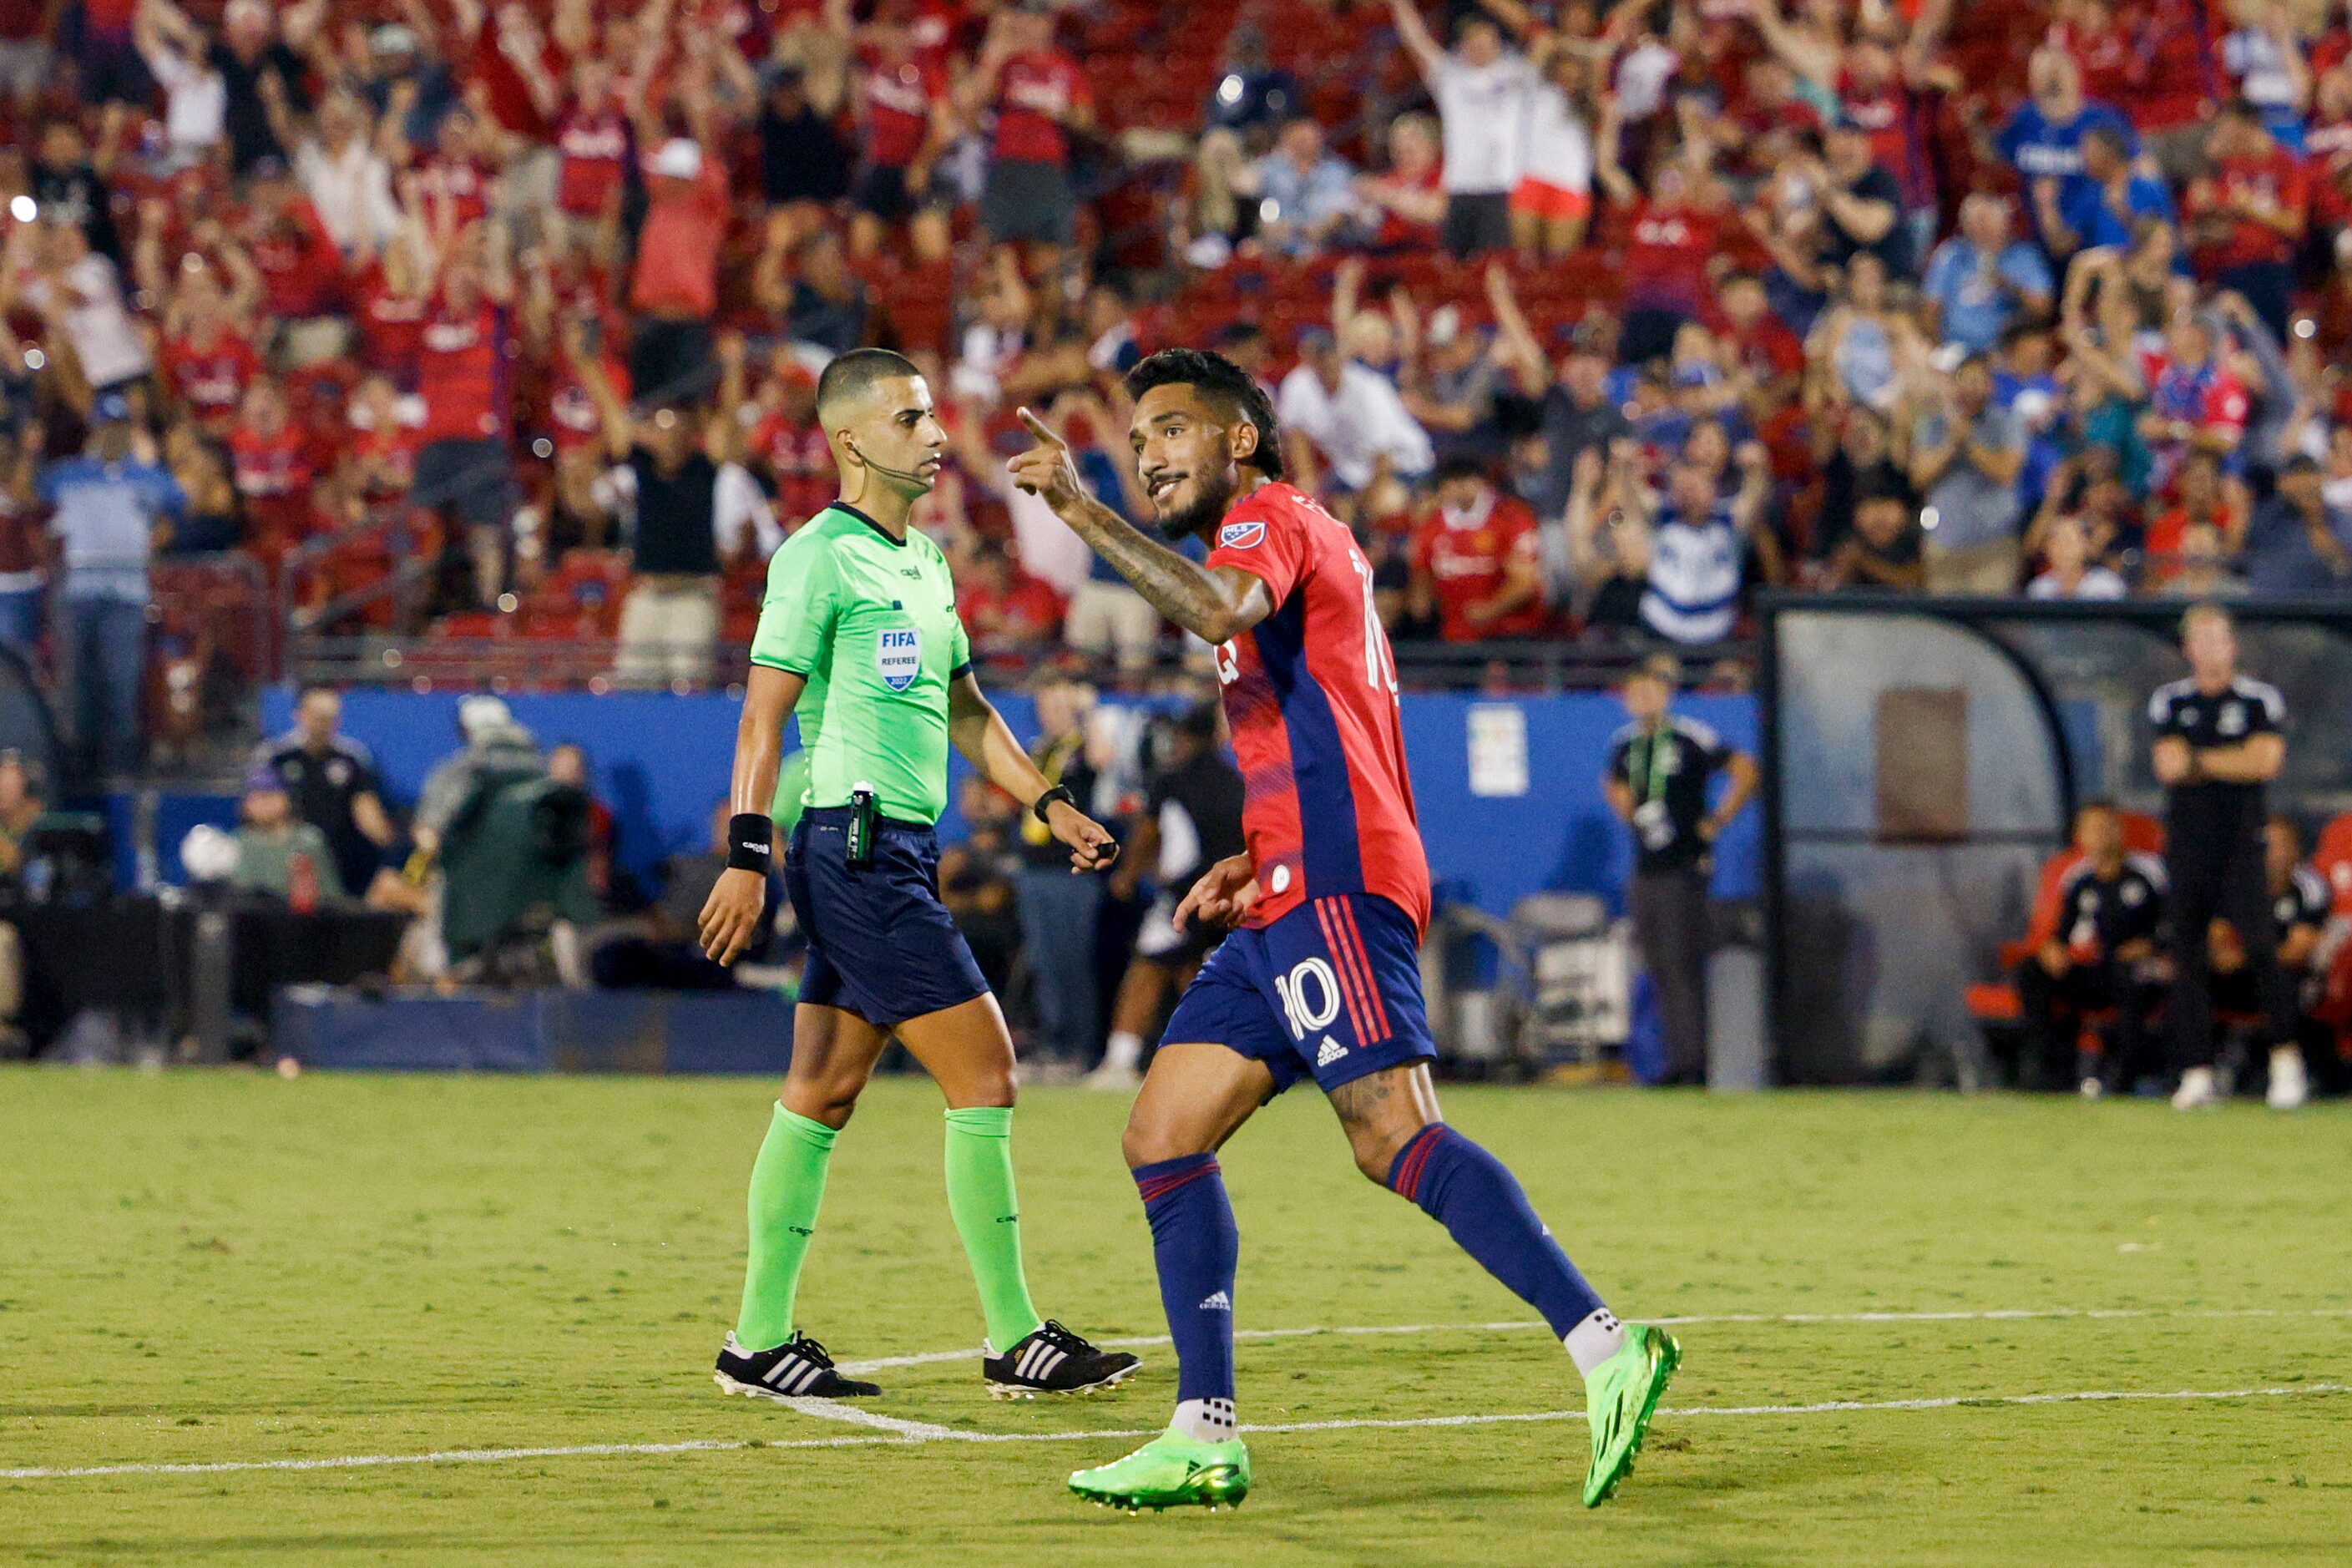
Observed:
{"x":1046,"y":469}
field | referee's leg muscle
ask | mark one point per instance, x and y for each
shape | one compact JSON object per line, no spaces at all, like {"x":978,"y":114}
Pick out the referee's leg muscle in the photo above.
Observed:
{"x":833,"y":1053}
{"x":967,"y":1050}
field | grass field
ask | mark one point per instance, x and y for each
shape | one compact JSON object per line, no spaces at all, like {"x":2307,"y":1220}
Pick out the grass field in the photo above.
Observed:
{"x":220,"y":1270}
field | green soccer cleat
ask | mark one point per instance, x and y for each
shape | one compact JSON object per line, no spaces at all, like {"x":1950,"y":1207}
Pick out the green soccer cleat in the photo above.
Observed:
{"x":1171,"y":1471}
{"x":1619,"y":1397}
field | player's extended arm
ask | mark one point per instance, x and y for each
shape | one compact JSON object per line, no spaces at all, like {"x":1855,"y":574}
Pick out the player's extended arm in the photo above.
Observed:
{"x":733,"y":908}
{"x":1214,"y":604}
{"x":2254,"y":760}
{"x":981,"y":733}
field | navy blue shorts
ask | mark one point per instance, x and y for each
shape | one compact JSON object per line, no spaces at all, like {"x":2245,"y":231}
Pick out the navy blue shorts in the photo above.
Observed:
{"x":881,"y":944}
{"x":1332,"y":989}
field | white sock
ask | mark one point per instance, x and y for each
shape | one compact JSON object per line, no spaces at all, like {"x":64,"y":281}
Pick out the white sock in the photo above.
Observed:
{"x":1204,"y":1420}
{"x":1125,"y":1050}
{"x":1595,"y":1340}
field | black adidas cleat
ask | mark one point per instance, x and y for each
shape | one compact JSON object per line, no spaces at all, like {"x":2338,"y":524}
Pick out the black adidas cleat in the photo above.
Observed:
{"x":1053,"y":1360}
{"x":796,"y":1369}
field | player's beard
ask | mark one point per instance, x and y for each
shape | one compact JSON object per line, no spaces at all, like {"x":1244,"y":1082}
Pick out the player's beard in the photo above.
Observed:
{"x":1208,"y":509}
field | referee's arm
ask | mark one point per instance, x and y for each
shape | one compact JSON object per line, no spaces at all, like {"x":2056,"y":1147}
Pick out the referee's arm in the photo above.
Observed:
{"x":733,"y":910}
{"x":980,"y":733}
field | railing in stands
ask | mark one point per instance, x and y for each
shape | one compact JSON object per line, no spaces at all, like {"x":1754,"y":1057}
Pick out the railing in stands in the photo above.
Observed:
{"x":521,"y":663}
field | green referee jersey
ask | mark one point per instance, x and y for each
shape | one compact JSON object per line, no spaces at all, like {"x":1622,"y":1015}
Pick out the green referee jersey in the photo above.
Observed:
{"x":871,"y":622}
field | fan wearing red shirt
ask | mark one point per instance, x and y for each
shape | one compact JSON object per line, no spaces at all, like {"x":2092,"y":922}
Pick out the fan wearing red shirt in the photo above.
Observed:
{"x":1474,"y":560}
{"x":2246,"y":217}
{"x":1320,"y":979}
{"x":463,"y":470}
{"x":271,"y":469}
{"x":788,"y":443}
{"x":2175,"y":79}
{"x":2102,"y":49}
{"x":675,"y":288}
{"x":901,"y":125}
{"x":301,"y":270}
{"x":1758,"y":342}
{"x":593,"y":140}
{"x":206,"y":361}
{"x":1670,"y":237}
{"x":1008,"y":612}
{"x":1039,"y":96}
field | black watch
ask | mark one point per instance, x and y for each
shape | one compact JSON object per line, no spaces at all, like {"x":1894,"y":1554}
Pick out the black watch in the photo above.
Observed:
{"x":1059,"y":792}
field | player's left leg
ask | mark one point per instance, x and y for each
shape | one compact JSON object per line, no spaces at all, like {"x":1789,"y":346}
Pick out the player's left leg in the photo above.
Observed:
{"x":1351,"y":990}
{"x":1402,"y":1141}
{"x":968,"y":1054}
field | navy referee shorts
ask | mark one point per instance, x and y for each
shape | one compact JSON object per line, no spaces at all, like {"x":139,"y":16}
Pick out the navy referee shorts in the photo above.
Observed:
{"x":881,"y":944}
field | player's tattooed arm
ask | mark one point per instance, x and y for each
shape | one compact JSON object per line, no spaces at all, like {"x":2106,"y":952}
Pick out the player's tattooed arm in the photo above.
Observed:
{"x":1214,"y":604}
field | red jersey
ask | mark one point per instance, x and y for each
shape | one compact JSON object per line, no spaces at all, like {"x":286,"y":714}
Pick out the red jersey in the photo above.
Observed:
{"x":1666,"y":255}
{"x":594,"y":146}
{"x":268,"y":468}
{"x":1034,"y":93}
{"x":1310,"y":693}
{"x":572,"y":409}
{"x":391,"y":327}
{"x":301,"y":270}
{"x":898,"y":99}
{"x":2275,"y":180}
{"x":211,"y":380}
{"x":1467,"y":566}
{"x":798,"y":460}
{"x":2105,"y":59}
{"x":2174,"y":77}
{"x":462,"y":374}
{"x":462,"y":183}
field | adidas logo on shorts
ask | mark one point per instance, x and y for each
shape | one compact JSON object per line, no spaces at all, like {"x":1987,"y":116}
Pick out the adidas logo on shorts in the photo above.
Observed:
{"x":1331,"y":1052}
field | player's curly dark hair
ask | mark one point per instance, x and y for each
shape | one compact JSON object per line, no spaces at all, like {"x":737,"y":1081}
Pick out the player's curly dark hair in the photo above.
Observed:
{"x":1229,"y":388}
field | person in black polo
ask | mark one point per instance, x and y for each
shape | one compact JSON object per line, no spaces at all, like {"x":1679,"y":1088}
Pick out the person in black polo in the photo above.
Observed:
{"x":1660,"y":769}
{"x":685,"y":510}
{"x":2218,"y":743}
{"x":2099,"y":957}
{"x":331,"y":780}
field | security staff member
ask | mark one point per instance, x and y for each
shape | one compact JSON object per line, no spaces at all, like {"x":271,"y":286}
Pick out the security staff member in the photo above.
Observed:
{"x":2217,"y":745}
{"x":1660,"y":768}
{"x":2097,"y":957}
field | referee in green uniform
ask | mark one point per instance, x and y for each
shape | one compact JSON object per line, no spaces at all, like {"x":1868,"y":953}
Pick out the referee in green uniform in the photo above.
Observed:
{"x":859,"y":636}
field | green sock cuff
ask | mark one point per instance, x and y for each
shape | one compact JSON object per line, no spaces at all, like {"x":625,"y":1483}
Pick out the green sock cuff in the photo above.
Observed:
{"x":806,"y":1131}
{"x":982,"y":1121}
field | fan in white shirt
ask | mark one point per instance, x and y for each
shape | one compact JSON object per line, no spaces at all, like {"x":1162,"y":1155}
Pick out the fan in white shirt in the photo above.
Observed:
{"x":1348,"y":418}
{"x":2071,"y":573}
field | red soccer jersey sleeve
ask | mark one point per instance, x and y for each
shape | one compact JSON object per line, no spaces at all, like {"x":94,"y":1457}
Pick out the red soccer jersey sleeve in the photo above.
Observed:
{"x":1310,"y":696}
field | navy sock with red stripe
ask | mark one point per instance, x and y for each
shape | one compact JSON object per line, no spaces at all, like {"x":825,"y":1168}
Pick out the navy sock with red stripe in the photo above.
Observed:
{"x":1482,"y":1205}
{"x":1196,"y":1246}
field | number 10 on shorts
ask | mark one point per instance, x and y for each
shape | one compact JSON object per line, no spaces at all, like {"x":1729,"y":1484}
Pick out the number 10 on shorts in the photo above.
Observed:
{"x":1310,"y":996}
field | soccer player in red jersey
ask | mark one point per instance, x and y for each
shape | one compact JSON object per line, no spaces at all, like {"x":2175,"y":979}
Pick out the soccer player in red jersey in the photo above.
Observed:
{"x":1321,"y":976}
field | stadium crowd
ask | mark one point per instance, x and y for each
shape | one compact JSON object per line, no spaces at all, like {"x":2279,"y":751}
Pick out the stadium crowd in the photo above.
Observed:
{"x":1591,"y":318}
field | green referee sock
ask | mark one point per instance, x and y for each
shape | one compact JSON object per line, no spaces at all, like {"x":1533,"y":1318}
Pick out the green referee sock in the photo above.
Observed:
{"x":787,"y":1185}
{"x":988,"y":1217}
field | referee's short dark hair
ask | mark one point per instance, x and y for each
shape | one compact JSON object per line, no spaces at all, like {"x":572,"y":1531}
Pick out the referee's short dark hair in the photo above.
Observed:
{"x":852,"y":374}
{"x":1225,"y":386}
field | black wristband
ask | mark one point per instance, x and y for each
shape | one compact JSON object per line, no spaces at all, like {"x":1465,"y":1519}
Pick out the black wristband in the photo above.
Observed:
{"x":1059,"y":792}
{"x":751,"y":842}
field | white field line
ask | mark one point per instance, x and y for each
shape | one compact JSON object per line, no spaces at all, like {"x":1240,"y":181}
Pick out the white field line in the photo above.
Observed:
{"x":943,"y":1434}
{"x":1147,"y":1342}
